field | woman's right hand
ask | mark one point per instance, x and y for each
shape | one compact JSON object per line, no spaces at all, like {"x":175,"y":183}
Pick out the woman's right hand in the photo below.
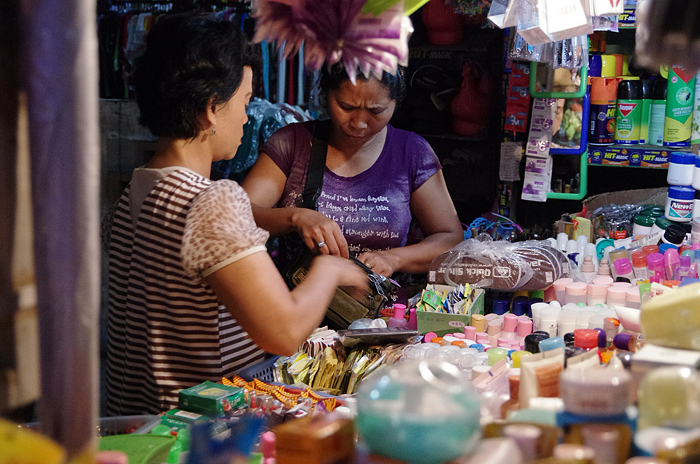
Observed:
{"x":346,"y":272}
{"x":315,"y":228}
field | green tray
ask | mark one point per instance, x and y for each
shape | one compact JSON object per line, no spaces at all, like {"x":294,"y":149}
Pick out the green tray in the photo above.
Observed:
{"x":141,"y":449}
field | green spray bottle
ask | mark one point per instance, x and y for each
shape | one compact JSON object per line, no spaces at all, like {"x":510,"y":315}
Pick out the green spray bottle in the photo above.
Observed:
{"x":680,"y":97}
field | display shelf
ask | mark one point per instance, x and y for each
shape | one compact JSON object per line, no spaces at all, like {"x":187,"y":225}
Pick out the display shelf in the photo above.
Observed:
{"x":641,"y":156}
{"x":583,"y":185}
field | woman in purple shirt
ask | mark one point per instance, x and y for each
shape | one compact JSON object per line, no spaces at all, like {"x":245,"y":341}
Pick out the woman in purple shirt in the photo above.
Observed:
{"x":377,"y":178}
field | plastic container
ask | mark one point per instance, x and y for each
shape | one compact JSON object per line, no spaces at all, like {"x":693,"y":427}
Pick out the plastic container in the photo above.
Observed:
{"x":632,"y":298}
{"x":696,"y":174}
{"x":586,"y":339}
{"x":617,"y":296}
{"x":681,"y":168}
{"x":583,"y":318}
{"x":576,"y":292}
{"x":264,"y":370}
{"x":603,"y":280}
{"x":623,"y":269}
{"x":549,"y":319}
{"x":560,"y":288}
{"x":660,"y":225}
{"x":655,"y":265}
{"x":695,"y":234}
{"x":679,"y":203}
{"x":675,"y":235}
{"x":395,"y":421}
{"x":141,"y":449}
{"x":598,"y":391}
{"x":597,"y":294}
{"x":642,"y":225}
{"x":567,"y":321}
{"x":639,"y":265}
{"x":520,"y":305}
{"x":588,"y":269}
{"x":398,"y":319}
{"x":670,"y":397}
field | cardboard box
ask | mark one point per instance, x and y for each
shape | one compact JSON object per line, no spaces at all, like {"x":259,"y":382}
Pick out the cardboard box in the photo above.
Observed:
{"x":655,"y":196}
{"x":208,"y":397}
{"x":442,"y":323}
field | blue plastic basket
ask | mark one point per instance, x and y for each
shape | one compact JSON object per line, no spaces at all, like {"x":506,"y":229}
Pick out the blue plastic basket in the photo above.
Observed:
{"x":264,"y":370}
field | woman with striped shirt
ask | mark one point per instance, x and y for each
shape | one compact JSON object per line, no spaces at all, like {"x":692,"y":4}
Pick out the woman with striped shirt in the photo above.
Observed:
{"x":193,"y":294}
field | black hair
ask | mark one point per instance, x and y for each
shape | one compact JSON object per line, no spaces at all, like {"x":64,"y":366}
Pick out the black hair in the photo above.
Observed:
{"x":336,"y":75}
{"x":189,"y":58}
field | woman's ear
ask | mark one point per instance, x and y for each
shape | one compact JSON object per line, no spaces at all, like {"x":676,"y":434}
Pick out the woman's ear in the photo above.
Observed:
{"x":210,"y":114}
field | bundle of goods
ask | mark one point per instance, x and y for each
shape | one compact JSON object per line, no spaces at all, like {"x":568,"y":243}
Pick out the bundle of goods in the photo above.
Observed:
{"x":335,"y":362}
{"x":482,"y":262}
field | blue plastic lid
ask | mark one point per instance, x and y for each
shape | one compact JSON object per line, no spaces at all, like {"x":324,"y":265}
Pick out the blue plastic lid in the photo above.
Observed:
{"x":665,"y":246}
{"x":683,"y":157}
{"x":552,"y":343}
{"x":678,"y":192}
{"x":500,"y":305}
{"x":520,"y":305}
{"x":697,"y":161}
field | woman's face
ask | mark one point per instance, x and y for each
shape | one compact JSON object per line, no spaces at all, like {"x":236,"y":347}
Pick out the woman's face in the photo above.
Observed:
{"x":232,"y":117}
{"x":359,"y":112}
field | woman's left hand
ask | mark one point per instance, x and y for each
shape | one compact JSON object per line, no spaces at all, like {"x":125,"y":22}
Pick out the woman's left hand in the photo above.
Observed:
{"x":381,"y":262}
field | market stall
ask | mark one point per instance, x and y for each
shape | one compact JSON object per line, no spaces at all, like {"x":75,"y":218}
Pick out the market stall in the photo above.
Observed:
{"x":563,"y":327}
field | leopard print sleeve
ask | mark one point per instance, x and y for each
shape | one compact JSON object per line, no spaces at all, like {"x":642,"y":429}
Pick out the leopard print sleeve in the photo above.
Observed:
{"x":219,"y":230}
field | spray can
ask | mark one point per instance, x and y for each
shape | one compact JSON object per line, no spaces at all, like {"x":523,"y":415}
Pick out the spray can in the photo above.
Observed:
{"x":647,"y":91}
{"x":680,"y":97}
{"x":628,"y":116}
{"x":602,"y":111}
{"x":657,"y":113}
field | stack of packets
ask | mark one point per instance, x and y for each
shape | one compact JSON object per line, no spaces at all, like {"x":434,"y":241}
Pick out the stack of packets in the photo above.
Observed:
{"x":448,"y":300}
{"x":324,"y":364}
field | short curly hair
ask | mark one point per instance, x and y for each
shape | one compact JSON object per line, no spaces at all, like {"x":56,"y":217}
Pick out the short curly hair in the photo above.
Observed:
{"x":189,"y":58}
{"x":336,"y":75}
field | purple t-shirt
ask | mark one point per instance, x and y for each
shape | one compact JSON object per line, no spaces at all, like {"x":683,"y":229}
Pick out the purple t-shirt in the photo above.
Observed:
{"x":371,"y":208}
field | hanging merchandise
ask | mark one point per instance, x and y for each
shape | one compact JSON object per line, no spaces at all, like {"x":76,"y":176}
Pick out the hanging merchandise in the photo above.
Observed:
{"x":337,"y":31}
{"x":503,"y":13}
{"x":538,"y":167}
{"x":518,"y":104}
{"x":607,"y":7}
{"x":472,"y":107}
{"x":377,"y":7}
{"x":444,"y":25}
{"x":470,"y":7}
{"x":680,"y":97}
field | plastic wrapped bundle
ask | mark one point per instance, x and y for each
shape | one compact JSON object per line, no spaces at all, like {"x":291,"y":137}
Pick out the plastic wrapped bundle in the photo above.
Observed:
{"x":482,"y":262}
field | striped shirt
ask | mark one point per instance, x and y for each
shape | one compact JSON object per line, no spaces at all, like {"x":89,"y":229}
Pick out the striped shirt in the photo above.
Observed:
{"x":166,"y":329}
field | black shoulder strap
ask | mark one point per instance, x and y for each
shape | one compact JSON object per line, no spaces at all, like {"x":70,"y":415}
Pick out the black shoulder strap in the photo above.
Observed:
{"x":317,"y":165}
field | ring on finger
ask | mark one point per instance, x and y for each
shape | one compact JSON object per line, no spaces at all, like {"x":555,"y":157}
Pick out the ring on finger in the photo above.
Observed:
{"x":321,"y":244}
